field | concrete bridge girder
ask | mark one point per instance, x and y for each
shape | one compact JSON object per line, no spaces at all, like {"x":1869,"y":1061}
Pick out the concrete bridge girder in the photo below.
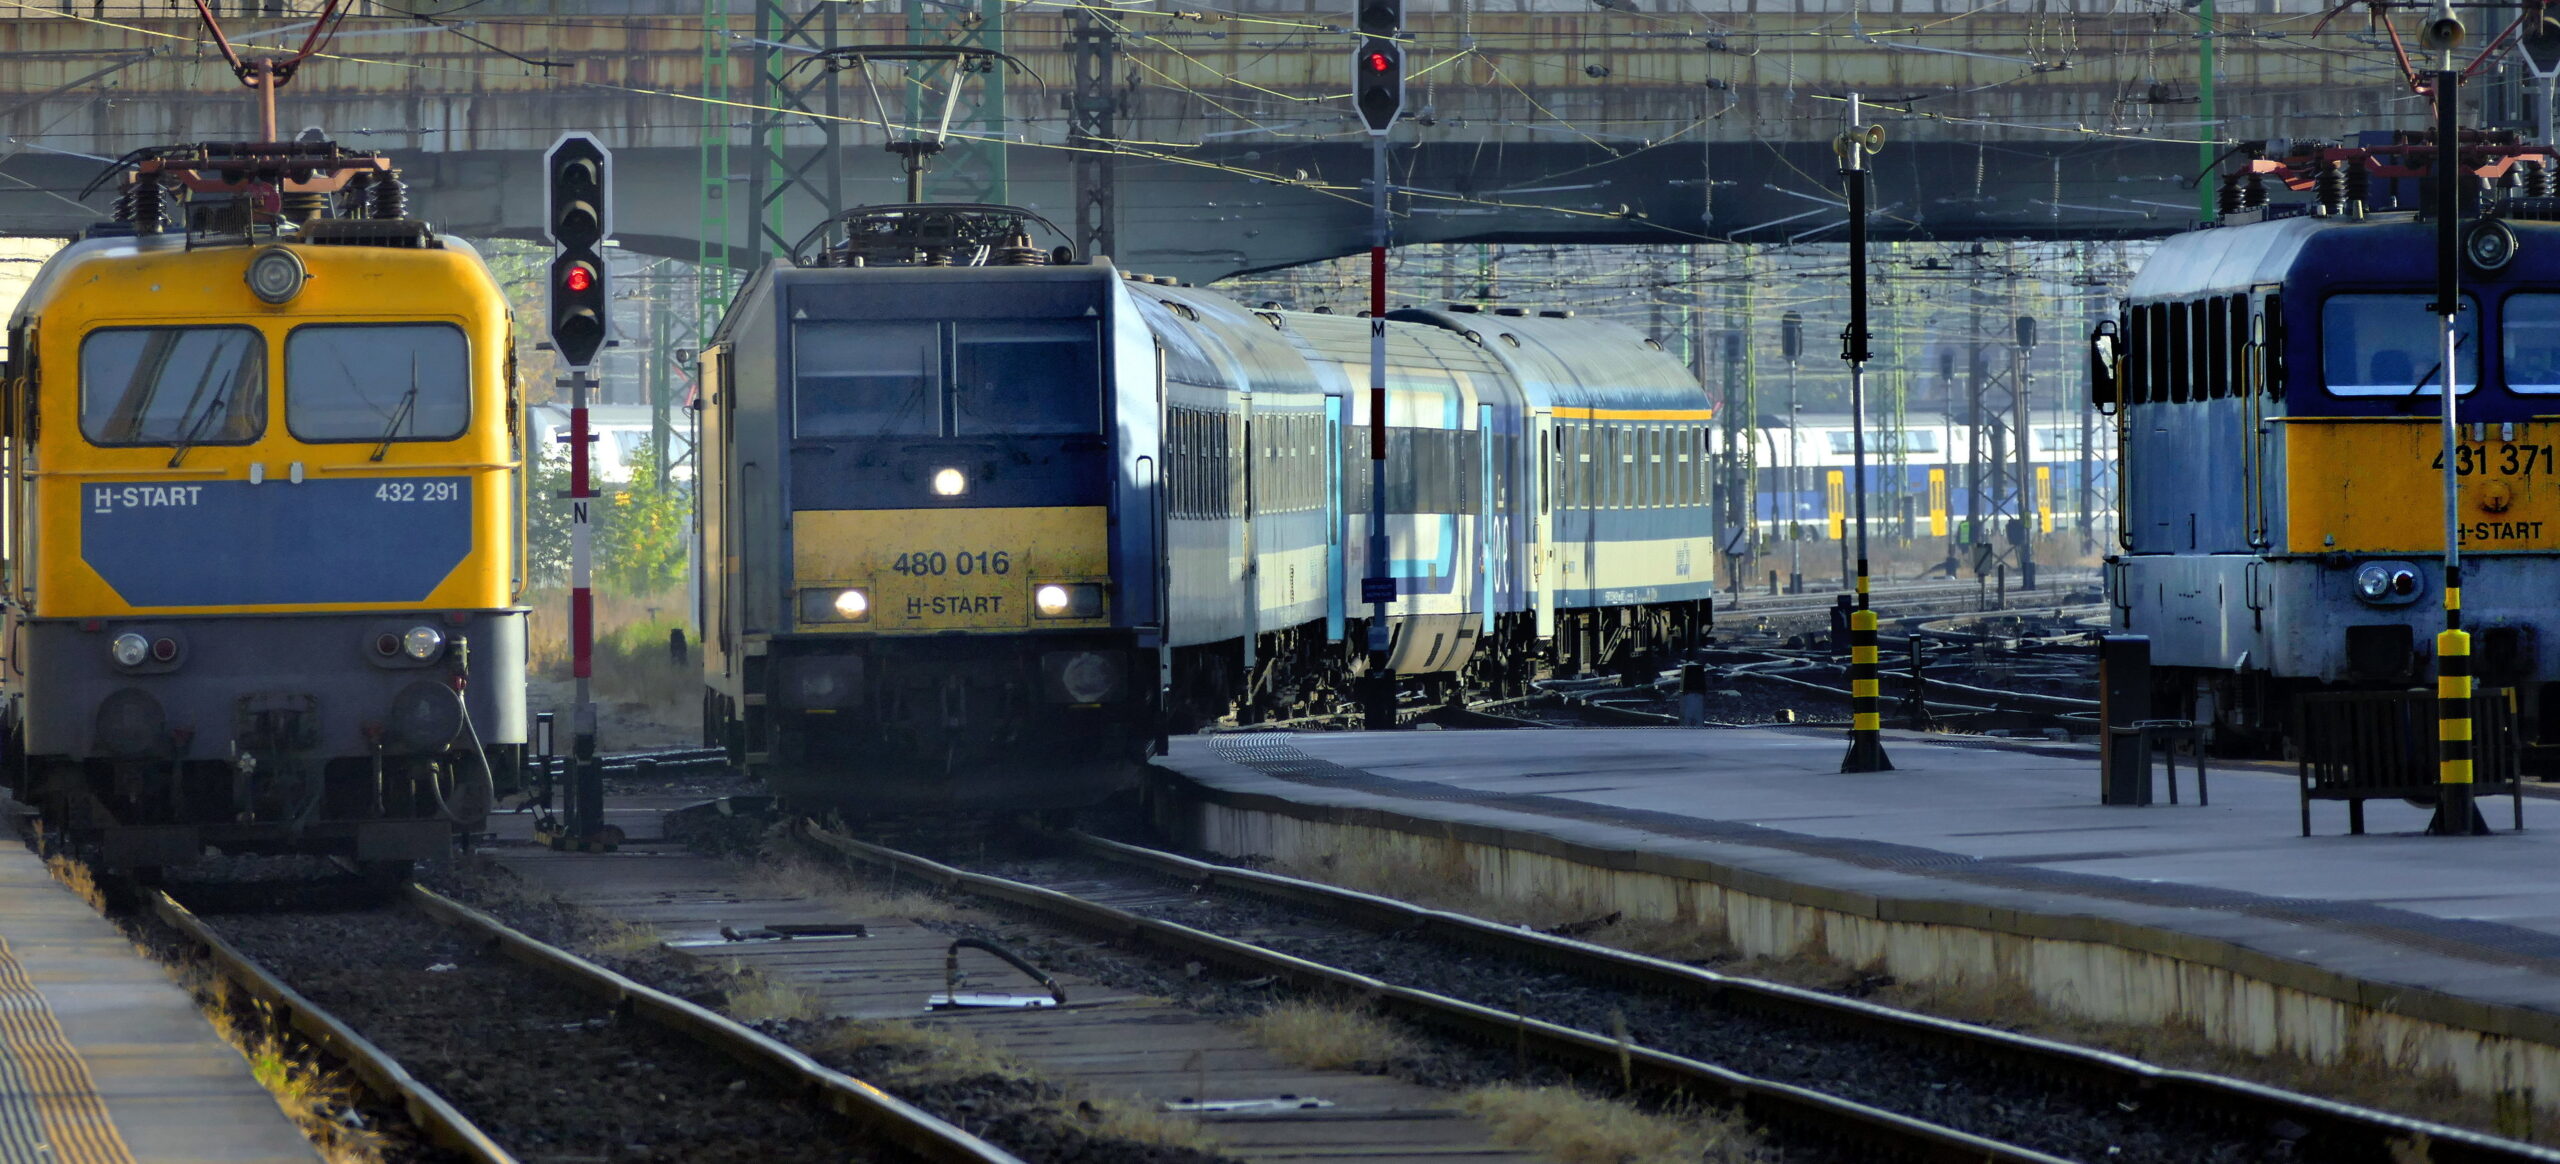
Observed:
{"x":1578,"y":126}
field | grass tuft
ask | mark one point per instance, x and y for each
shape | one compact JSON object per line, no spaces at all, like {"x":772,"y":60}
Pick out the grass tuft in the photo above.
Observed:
{"x":1575,"y":1128}
{"x":621,"y":939}
{"x":756,"y":998}
{"x":1324,"y":1037}
{"x":310,"y":1093}
{"x":813,"y":881}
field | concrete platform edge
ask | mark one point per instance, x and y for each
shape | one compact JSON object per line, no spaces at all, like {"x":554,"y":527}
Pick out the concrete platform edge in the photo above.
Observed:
{"x":2092,"y":967}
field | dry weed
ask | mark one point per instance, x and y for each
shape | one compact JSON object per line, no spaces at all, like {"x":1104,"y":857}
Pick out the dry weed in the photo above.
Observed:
{"x":755,"y":998}
{"x":308,"y":1091}
{"x":1139,"y":1124}
{"x":814,"y":881}
{"x":930,"y":1052}
{"x":621,"y":939}
{"x":1324,"y":1037}
{"x":1579,"y":1129}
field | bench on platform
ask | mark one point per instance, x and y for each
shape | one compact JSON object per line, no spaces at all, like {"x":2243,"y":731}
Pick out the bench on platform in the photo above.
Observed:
{"x":2368,"y":745}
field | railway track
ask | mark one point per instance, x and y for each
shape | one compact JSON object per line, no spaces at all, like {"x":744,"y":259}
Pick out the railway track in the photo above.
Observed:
{"x":1913,"y":1087}
{"x":491,"y":1015}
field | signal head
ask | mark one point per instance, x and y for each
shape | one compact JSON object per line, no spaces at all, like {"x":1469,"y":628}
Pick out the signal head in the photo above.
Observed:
{"x":577,"y":308}
{"x":575,"y":176}
{"x":1381,"y":17}
{"x":1378,"y":84}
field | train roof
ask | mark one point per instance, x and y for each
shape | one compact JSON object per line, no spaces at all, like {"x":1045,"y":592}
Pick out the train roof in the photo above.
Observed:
{"x":2396,"y":246}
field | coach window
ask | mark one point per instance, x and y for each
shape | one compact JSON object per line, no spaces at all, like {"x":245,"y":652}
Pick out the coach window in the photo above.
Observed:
{"x":2386,"y":345}
{"x":866,"y":380}
{"x":377,"y":382}
{"x":173,"y":385}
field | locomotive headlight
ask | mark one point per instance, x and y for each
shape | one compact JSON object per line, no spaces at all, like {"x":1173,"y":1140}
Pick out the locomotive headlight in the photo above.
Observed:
{"x":276,"y":275}
{"x":1066,"y":600}
{"x":950,"y":482}
{"x":422,"y":642}
{"x":835,"y":604}
{"x":2387,"y":583}
{"x":129,"y":649}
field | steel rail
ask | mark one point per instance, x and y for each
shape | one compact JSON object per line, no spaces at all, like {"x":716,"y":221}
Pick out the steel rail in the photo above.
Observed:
{"x":443,"y":1124}
{"x":879,"y":1112}
{"x":1876,"y":1133}
{"x":2326,"y":1121}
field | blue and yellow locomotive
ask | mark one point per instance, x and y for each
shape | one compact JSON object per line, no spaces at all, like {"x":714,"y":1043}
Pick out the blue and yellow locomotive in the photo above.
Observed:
{"x":263,"y":524}
{"x":2278,"y":402}
{"x":977,"y":526}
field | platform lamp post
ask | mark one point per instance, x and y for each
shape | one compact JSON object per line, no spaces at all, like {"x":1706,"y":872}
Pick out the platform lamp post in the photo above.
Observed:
{"x":1377,"y":68}
{"x":1866,"y":722}
{"x":2455,"y":813}
{"x":1791,"y":341}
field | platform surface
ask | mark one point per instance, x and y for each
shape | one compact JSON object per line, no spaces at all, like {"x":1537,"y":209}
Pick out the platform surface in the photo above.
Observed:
{"x":103,"y":1059}
{"x":2007,"y":826}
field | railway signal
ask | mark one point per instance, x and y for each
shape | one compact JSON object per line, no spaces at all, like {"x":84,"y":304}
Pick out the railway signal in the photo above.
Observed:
{"x":577,"y":172}
{"x":1378,"y":89}
{"x":1378,"y":69}
{"x":579,"y":221}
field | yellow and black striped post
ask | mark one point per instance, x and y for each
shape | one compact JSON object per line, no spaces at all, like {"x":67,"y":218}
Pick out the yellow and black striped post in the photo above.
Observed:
{"x":1866,"y":719}
{"x":1866,"y":724}
{"x":2456,"y":813}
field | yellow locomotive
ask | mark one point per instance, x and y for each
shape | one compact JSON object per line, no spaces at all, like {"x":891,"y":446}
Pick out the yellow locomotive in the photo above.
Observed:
{"x":261,"y":582}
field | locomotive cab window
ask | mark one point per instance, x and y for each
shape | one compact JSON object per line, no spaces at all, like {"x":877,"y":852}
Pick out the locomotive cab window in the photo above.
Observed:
{"x":2530,"y":331}
{"x":173,"y":385}
{"x":866,"y":380}
{"x":377,"y":382}
{"x":1027,"y":378}
{"x":2386,"y":345}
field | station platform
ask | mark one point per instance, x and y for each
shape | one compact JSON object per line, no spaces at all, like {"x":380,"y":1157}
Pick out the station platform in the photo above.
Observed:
{"x":1975,"y":859}
{"x":103,"y":1059}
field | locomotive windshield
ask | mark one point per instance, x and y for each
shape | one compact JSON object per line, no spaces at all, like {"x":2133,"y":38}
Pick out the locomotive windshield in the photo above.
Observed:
{"x":2388,"y":345}
{"x":867,"y":380}
{"x":377,"y":382}
{"x":173,"y":385}
{"x":970,"y":378}
{"x":1026,"y":378}
{"x":2530,"y":331}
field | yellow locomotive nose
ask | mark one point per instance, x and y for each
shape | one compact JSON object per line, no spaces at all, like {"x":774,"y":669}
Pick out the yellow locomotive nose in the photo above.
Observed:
{"x":891,"y":571}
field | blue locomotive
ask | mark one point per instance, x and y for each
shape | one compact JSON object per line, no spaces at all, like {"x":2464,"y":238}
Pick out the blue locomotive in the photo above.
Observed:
{"x":2276,"y":392}
{"x":963,"y":507}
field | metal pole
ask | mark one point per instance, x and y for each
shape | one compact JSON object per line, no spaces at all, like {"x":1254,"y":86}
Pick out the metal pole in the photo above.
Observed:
{"x":586,"y":789}
{"x":2207,"y":149}
{"x":1795,"y":490}
{"x":1866,"y":740}
{"x":2455,"y":815}
{"x":2024,"y":432}
{"x":1379,"y":585}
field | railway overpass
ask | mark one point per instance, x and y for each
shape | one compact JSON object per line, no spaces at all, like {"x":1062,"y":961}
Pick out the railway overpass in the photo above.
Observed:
{"x":1228,"y":132}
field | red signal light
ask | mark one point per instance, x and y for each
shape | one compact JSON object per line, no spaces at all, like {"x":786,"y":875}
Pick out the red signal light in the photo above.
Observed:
{"x":580,"y":278}
{"x":1376,"y":62}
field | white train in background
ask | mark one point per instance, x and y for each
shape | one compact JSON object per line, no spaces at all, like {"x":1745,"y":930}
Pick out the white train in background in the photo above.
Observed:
{"x":1801,"y":476}
{"x":622,"y":431}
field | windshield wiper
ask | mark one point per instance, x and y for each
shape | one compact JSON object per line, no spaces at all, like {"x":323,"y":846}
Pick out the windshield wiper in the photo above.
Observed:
{"x":408,"y":401}
{"x":212,"y":408}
